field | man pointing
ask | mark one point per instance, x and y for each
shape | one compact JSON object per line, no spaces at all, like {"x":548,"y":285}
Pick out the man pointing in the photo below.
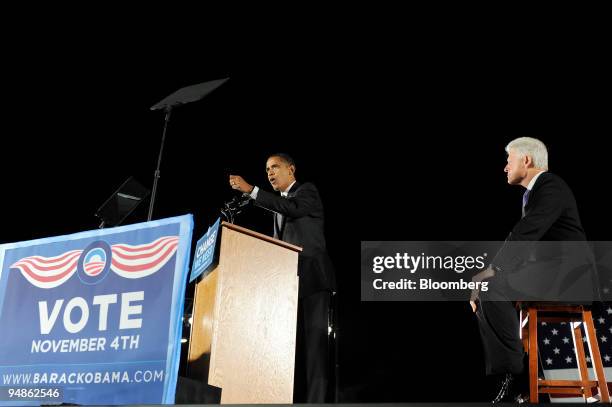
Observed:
{"x":299,"y":220}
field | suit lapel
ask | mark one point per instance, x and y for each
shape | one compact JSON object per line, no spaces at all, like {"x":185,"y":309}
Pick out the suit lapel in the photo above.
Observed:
{"x":290,"y":194}
{"x":533,"y":191}
{"x":282,"y":226}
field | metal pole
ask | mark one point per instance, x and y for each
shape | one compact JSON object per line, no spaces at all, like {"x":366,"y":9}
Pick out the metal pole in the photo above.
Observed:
{"x":159,"y":158}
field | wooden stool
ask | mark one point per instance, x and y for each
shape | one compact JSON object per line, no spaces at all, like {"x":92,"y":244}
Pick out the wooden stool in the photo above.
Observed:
{"x":575,"y":315}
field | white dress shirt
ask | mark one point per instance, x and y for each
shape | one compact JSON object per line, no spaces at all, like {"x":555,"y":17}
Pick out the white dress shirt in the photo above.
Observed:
{"x":533,"y":180}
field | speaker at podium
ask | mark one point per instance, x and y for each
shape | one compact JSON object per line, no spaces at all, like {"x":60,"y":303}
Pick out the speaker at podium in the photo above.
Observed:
{"x":243,"y":332}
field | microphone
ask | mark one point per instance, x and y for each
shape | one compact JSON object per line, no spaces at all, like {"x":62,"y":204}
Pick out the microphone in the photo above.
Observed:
{"x":238,"y":201}
{"x":234,"y":206}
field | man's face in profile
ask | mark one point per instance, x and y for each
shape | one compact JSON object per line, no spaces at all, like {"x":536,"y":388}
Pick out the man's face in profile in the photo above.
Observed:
{"x":516,"y":169}
{"x":280,"y":173}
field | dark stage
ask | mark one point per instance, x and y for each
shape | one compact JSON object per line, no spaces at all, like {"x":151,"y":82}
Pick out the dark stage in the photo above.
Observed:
{"x":401,"y":147}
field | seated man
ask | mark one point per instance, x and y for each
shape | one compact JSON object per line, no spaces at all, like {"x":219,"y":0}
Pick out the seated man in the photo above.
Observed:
{"x":550,"y":213}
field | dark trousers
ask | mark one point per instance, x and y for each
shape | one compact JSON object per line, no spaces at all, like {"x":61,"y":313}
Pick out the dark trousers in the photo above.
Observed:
{"x":312,"y":349}
{"x":498,"y":323}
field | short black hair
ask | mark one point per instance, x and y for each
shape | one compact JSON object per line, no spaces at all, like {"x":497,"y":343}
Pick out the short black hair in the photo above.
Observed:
{"x":285,"y":157}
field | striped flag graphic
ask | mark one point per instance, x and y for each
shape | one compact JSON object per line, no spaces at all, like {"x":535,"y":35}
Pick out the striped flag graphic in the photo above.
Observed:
{"x":128,"y":261}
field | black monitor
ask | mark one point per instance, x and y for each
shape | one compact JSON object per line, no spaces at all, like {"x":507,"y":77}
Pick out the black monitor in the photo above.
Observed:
{"x":122,"y":202}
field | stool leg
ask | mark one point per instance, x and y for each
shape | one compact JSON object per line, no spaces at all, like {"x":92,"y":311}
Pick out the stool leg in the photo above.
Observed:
{"x":580,"y":357}
{"x":533,"y":355}
{"x":596,"y":356}
{"x":524,"y":331}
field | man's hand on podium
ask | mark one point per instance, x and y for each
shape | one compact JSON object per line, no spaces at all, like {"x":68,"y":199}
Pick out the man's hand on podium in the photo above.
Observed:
{"x":237,"y":182}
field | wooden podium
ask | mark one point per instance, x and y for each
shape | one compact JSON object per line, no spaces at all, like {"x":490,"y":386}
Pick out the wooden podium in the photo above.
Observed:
{"x":244,"y":319}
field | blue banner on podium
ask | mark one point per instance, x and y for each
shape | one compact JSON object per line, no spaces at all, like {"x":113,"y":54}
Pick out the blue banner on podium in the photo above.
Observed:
{"x":205,"y":251}
{"x":94,"y":317}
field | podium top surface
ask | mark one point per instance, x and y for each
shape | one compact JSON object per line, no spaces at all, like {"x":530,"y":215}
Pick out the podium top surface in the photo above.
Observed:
{"x":261,"y":236}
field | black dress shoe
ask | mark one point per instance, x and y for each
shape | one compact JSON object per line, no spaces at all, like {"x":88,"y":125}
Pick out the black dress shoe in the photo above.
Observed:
{"x":521,"y":398}
{"x":505,"y":392}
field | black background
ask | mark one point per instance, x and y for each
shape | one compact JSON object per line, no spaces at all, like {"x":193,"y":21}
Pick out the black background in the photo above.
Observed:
{"x":403,"y":132}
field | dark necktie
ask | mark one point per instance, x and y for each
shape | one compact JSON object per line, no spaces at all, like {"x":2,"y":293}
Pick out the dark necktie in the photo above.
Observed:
{"x":525,"y":200}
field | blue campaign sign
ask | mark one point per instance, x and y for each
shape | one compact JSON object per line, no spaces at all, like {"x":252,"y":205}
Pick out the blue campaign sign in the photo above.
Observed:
{"x":94,"y":317}
{"x":205,"y":251}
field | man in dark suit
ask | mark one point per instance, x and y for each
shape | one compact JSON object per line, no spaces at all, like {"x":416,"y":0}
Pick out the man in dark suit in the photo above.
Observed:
{"x":549,"y":214}
{"x":299,"y":220}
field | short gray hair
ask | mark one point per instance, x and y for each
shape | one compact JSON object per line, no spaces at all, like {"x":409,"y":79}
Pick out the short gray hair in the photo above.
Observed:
{"x":531,"y":147}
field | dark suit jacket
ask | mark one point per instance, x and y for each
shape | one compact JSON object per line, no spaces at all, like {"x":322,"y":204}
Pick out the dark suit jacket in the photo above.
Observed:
{"x":548,"y":270}
{"x":303,"y":225}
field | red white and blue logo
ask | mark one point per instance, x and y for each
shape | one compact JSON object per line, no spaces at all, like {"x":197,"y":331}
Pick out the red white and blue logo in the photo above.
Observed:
{"x":93,"y":263}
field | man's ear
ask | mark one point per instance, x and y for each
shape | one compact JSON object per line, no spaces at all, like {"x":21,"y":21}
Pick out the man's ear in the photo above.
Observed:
{"x":528,"y":161}
{"x":292,"y":169}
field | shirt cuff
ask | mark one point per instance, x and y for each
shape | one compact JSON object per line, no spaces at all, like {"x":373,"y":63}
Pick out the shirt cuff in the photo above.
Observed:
{"x":254,"y":192}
